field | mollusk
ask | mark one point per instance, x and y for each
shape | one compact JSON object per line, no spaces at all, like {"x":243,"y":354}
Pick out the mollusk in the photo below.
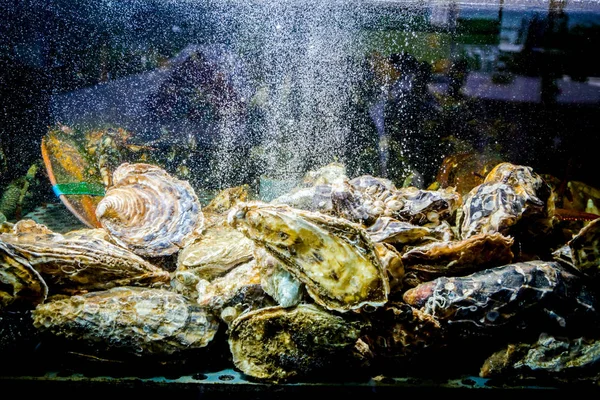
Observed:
{"x":150,"y":212}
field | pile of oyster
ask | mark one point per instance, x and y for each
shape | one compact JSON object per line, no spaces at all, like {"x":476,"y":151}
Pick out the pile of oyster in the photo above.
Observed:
{"x":339,"y":274}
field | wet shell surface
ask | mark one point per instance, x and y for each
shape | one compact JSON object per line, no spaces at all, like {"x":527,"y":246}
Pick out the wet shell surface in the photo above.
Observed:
{"x":20,"y":284}
{"x":78,"y":263}
{"x":277,"y":343}
{"x":537,"y":293}
{"x":333,"y":257}
{"x":459,"y":257}
{"x":217,"y":251}
{"x":129,"y":321}
{"x":150,"y":212}
{"x":585,"y":249}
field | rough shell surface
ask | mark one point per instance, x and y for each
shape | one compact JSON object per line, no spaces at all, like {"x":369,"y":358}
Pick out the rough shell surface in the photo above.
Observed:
{"x":401,"y":233}
{"x":217,"y":251}
{"x":460,"y":257}
{"x":129,"y":321}
{"x":333,"y":257}
{"x":400,"y":332}
{"x":277,"y":281}
{"x":150,"y":212}
{"x":562,"y":359}
{"x":81,"y":263}
{"x":236,"y":292}
{"x":510,"y":193}
{"x":21,"y":286}
{"x":279,"y":343}
{"x":585,"y":249}
{"x":226,"y":199}
{"x":538,"y":293}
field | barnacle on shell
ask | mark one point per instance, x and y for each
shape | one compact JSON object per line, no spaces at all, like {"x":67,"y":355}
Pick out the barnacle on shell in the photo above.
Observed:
{"x":150,"y":212}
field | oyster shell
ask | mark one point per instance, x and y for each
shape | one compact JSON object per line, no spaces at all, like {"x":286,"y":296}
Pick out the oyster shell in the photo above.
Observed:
{"x":400,"y":333}
{"x":585,"y":249}
{"x":150,"y":212}
{"x":277,"y":281}
{"x":315,"y":191}
{"x":21,"y":286}
{"x":455,"y":258}
{"x":402,"y":233}
{"x":333,"y":257}
{"x":128,"y":321}
{"x":80,"y":263}
{"x":559,"y":358}
{"x":536,"y":294}
{"x":510,"y":193}
{"x":278,"y":343}
{"x":226,"y":199}
{"x":219,"y":249}
{"x":237,"y":292}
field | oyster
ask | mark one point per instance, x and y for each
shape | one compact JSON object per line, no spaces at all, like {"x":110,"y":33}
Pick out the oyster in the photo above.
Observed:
{"x":315,"y":191}
{"x":364,"y":204}
{"x":277,"y":343}
{"x":333,"y":257}
{"x":237,"y":292}
{"x":400,"y":333}
{"x":402,"y":233}
{"x":150,"y":212}
{"x":536,"y":294}
{"x":585,"y":251}
{"x":510,"y":193}
{"x":80,"y":263}
{"x":392,"y":263}
{"x":277,"y":281}
{"x":455,"y":258}
{"x":217,"y":251}
{"x":21,"y":286}
{"x":128,"y":321}
{"x":226,"y":199}
{"x":552,"y":357}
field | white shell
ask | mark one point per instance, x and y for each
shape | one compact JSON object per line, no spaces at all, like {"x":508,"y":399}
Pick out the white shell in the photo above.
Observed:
{"x":150,"y":212}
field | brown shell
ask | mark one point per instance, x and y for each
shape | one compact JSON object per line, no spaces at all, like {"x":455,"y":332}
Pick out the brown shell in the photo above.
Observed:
{"x":236,"y":292}
{"x":455,"y":258}
{"x":333,"y":257}
{"x":277,"y":343}
{"x":585,"y":249}
{"x":20,"y":284}
{"x":80,"y":263}
{"x":150,"y":212}
{"x":129,"y":321}
{"x":220,"y":249}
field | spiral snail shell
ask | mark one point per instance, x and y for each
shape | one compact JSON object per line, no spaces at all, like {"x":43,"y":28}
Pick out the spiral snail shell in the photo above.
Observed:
{"x":150,"y":212}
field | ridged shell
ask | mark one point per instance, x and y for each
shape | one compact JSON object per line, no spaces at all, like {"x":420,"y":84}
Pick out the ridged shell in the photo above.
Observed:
{"x":150,"y":212}
{"x":333,"y":257}
{"x":79,"y":263}
{"x":20,"y":284}
{"x":277,"y":343}
{"x":128,"y":320}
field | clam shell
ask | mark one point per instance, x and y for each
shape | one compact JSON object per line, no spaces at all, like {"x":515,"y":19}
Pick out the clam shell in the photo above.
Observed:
{"x":150,"y":212}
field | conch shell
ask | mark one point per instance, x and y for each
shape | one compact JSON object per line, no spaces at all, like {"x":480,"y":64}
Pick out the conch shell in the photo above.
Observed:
{"x":150,"y":212}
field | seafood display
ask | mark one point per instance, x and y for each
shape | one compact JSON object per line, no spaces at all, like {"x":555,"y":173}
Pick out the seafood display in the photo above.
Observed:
{"x":347,"y":274}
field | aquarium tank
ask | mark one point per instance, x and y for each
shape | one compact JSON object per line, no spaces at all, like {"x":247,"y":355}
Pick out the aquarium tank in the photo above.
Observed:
{"x":262,"y":198}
